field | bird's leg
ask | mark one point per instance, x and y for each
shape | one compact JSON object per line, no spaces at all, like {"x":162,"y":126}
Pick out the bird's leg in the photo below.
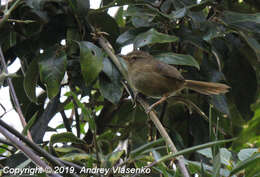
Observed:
{"x":156,"y":103}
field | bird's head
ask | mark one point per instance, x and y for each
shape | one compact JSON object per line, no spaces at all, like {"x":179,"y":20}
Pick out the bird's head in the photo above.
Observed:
{"x":135,"y":55}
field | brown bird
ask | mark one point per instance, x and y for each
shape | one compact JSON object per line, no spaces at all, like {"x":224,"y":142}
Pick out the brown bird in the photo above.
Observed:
{"x":157,"y":79}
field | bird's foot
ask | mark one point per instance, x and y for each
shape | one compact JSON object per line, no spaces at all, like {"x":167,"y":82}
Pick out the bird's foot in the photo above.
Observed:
{"x":148,"y":110}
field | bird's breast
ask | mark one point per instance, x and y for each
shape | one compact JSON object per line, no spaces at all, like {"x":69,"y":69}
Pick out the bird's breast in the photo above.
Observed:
{"x":151,"y":83}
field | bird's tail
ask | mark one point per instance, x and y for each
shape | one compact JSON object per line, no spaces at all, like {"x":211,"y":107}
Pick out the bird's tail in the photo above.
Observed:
{"x":207,"y":88}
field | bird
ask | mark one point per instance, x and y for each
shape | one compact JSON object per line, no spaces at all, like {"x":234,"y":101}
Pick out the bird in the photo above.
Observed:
{"x":157,"y":79}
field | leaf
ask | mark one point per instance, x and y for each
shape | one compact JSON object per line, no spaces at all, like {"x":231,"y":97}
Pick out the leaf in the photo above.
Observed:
{"x":246,"y":153}
{"x":82,"y":7}
{"x":119,"y":17}
{"x":90,"y":61}
{"x":224,"y":154}
{"x":20,"y":92}
{"x":196,"y":41}
{"x":105,"y":23}
{"x":251,"y":131}
{"x":151,"y":37}
{"x":4,"y":76}
{"x":178,"y":59}
{"x":76,"y":157}
{"x":64,"y":138}
{"x":243,"y":21}
{"x":220,"y":102}
{"x":246,"y":163}
{"x":178,"y":13}
{"x":114,"y":157}
{"x":129,"y":36}
{"x":146,"y":146}
{"x":68,"y":149}
{"x":242,"y":81}
{"x":194,"y":148}
{"x":110,"y":85}
{"x":52,"y":66}
{"x":141,"y":17}
{"x":30,"y":80}
{"x":216,"y":165}
{"x":253,"y":43}
{"x":14,"y":160}
{"x":29,"y":124}
{"x":85,"y":111}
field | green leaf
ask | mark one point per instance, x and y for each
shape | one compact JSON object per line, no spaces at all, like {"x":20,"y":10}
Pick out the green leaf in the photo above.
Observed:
{"x":30,"y":80}
{"x":220,"y":103}
{"x":128,"y":37}
{"x":20,"y":92}
{"x":243,"y":21}
{"x":246,"y":153}
{"x":76,"y":157}
{"x":114,"y":157}
{"x":90,"y":61}
{"x":52,"y":66}
{"x":68,"y":149}
{"x":251,"y":132}
{"x":119,"y":17}
{"x":85,"y":111}
{"x":151,"y":37}
{"x":178,"y":13}
{"x":110,"y":85}
{"x":146,"y":146}
{"x":30,"y":123}
{"x":178,"y":59}
{"x":141,"y":17}
{"x":105,"y":23}
{"x":82,"y":7}
{"x":194,"y":148}
{"x":244,"y":164}
{"x":253,"y":43}
{"x":64,"y":138}
{"x":4,"y":76}
{"x":216,"y":165}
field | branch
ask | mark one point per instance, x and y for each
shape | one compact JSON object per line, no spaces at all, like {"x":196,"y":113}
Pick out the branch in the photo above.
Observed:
{"x":8,"y":13}
{"x":13,"y":94}
{"x":180,"y":159}
{"x":77,"y":119}
{"x":31,"y":144}
{"x":27,"y":151}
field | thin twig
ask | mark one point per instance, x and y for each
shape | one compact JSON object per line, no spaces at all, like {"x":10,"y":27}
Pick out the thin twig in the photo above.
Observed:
{"x":8,"y":12}
{"x":164,"y":134}
{"x":180,"y":159}
{"x":97,"y":149}
{"x":77,"y":118}
{"x":27,"y":151}
{"x":197,"y":109}
{"x":164,"y":107}
{"x":13,"y":94}
{"x":66,"y":121}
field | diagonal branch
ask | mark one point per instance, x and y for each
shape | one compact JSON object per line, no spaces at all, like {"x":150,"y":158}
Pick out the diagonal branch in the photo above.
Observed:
{"x":27,"y":151}
{"x":13,"y":94}
{"x":8,"y":13}
{"x":180,"y":159}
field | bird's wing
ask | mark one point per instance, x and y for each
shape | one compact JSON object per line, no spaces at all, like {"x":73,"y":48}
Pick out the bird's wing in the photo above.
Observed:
{"x":168,"y":71}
